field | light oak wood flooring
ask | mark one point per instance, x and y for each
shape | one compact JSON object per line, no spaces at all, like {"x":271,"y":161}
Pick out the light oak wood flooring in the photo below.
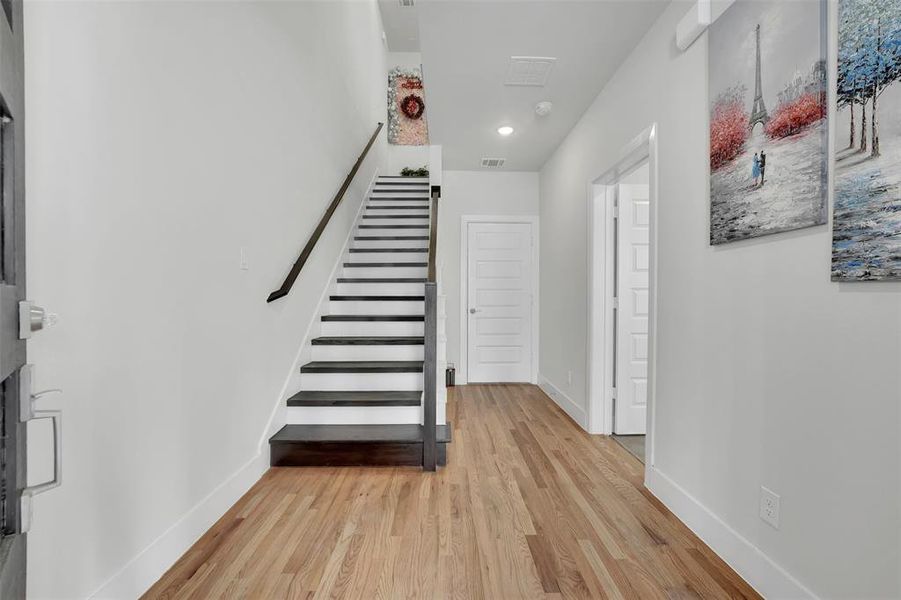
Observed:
{"x":529,"y":506}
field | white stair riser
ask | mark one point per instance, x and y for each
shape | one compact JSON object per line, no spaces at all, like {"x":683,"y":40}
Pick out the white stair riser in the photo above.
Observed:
{"x":384,"y":186}
{"x":419,"y":195}
{"x":354,"y":415}
{"x":368,"y":352}
{"x":392,"y":243}
{"x":379,"y":219}
{"x":381,"y":207}
{"x":381,"y":289}
{"x":392,"y":231}
{"x":414,"y":205}
{"x":375,"y":308}
{"x":420,"y":257}
{"x":364,"y":328}
{"x":402,"y":183}
{"x":345,"y":382}
{"x":386,"y":179}
{"x":386,"y":272}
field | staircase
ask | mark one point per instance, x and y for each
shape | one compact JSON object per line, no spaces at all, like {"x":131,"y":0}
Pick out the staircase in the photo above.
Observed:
{"x":361,"y":398}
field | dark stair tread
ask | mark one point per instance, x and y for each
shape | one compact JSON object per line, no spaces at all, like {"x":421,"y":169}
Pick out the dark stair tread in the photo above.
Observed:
{"x":363,"y":250}
{"x":422,"y":216}
{"x":345,"y":298}
{"x":314,"y":398}
{"x":405,"y":433}
{"x":391,"y":237}
{"x":389,"y":318}
{"x":425,"y":207}
{"x":363,"y":366}
{"x":401,"y":198}
{"x":361,"y":265}
{"x":381,"y":280}
{"x":370,"y":340}
{"x":394,"y":226}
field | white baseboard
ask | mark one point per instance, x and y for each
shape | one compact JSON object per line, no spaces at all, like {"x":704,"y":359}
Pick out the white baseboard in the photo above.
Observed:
{"x":148,"y":566}
{"x":568,"y":405}
{"x":769,"y":579}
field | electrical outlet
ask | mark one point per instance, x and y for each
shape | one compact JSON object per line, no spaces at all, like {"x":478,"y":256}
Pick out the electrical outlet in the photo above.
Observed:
{"x":769,"y":507}
{"x":569,"y":378}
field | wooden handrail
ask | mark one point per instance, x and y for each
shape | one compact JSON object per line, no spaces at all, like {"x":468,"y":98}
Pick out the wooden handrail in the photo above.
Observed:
{"x":283,"y":290}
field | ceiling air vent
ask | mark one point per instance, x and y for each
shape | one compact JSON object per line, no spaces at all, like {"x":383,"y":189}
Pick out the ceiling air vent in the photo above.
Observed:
{"x":529,"y":70}
{"x":406,"y":3}
{"x":493,"y":163}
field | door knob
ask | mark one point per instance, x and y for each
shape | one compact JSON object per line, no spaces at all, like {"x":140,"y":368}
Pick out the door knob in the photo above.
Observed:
{"x":33,"y":318}
{"x":473,"y":311}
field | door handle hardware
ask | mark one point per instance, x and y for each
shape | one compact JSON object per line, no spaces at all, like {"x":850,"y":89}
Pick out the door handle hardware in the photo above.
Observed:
{"x":473,"y":311}
{"x":33,"y":318}
{"x":27,"y":412}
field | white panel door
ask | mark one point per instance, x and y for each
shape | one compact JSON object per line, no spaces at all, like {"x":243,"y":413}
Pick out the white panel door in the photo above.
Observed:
{"x":633,"y":235}
{"x":499,"y":311}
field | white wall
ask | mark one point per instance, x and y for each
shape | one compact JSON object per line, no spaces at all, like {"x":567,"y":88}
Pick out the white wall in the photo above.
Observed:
{"x":407,"y":60}
{"x":474,"y":193}
{"x":407,"y":156}
{"x":768,"y":373}
{"x":162,"y":138}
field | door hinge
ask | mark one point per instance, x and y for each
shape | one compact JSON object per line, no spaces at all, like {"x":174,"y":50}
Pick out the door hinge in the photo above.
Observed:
{"x":615,"y":211}
{"x":615,"y":303}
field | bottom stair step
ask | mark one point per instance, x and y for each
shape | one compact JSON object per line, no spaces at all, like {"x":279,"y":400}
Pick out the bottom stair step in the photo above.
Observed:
{"x":353,"y":445}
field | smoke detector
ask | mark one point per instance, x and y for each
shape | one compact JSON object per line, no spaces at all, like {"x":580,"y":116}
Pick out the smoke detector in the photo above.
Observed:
{"x":543,"y":109}
{"x":529,"y":70}
{"x":493,"y":163}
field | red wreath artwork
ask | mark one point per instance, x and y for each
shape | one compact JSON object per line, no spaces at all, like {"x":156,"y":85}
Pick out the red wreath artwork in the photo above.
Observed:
{"x":412,"y":106}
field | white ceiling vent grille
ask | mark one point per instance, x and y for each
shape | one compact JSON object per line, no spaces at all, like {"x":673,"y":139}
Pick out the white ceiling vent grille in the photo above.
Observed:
{"x":493,"y":163}
{"x":406,"y":3}
{"x":529,"y":70}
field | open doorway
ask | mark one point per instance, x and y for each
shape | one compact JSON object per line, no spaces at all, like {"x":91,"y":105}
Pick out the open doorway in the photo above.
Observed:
{"x":622,"y":298}
{"x":629,"y":297}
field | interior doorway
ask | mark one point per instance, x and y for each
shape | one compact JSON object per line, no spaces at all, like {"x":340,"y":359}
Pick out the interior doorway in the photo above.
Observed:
{"x":629,"y":296}
{"x":622,"y":303}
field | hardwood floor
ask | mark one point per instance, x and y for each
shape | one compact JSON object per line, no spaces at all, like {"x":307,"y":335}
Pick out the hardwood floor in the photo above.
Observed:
{"x":529,"y":506}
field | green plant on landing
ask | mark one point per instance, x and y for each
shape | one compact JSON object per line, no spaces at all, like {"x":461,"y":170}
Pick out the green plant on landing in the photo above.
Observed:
{"x":411,"y":172}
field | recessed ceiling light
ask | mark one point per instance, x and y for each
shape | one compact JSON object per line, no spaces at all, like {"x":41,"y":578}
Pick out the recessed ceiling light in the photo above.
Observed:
{"x":505,"y":130}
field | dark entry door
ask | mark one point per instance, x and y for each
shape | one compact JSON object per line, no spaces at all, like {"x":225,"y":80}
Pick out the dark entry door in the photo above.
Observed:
{"x":14,"y":380}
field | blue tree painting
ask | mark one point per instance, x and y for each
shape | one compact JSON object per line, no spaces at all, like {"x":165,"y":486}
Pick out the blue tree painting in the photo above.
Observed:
{"x":866,"y":240}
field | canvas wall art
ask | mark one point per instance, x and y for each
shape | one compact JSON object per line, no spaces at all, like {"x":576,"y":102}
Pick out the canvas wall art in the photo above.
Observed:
{"x":768,"y":129}
{"x":407,"y":125}
{"x":866,"y":220}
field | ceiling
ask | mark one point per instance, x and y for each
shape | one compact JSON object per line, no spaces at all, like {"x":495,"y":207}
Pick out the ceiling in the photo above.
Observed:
{"x":401,"y":25}
{"x":466,"y":49}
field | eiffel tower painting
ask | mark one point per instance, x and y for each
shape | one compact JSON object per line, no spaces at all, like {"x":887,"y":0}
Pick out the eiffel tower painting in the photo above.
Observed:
{"x":768,"y":162}
{"x":758,"y":111}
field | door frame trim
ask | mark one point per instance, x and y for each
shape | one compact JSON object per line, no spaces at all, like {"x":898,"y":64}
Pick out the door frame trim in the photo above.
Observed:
{"x":600,"y":315}
{"x":465,"y":220}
